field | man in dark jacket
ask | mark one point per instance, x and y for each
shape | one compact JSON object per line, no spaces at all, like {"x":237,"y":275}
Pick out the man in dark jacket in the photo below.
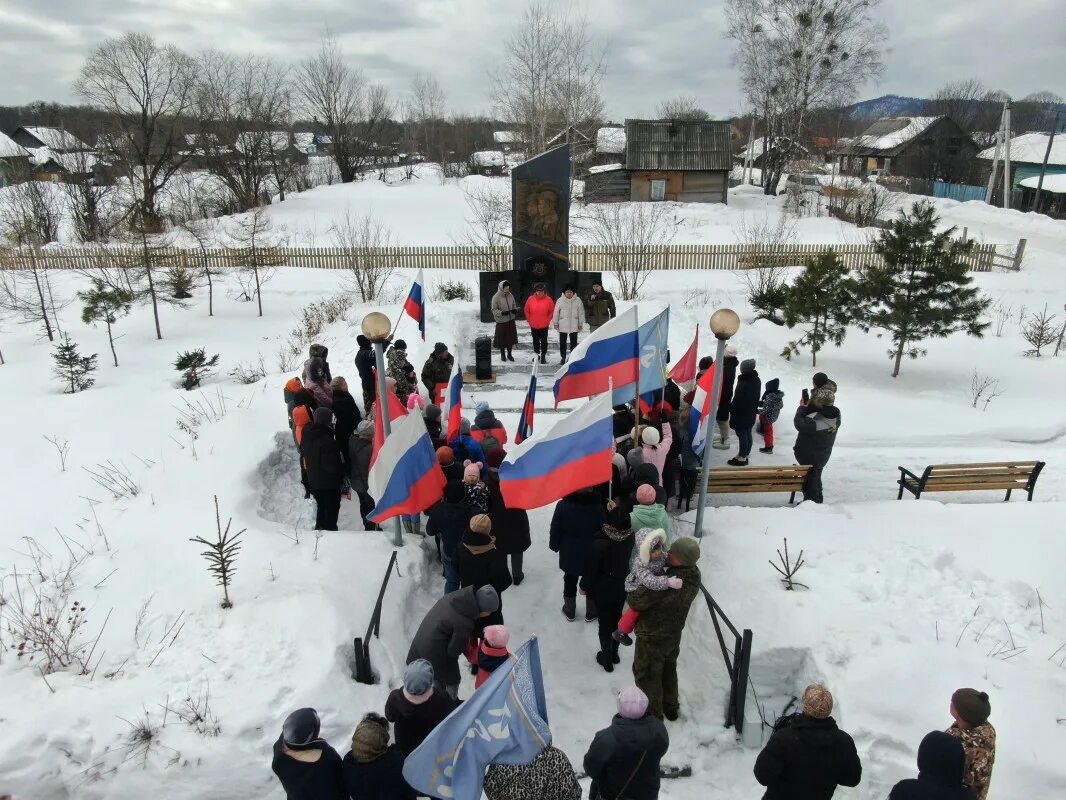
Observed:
{"x":576,"y":522}
{"x":443,"y":634}
{"x":478,"y":563}
{"x":306,"y":765}
{"x":437,"y":369}
{"x":817,"y":424}
{"x":623,"y":759}
{"x":604,"y":580}
{"x":662,"y":621}
{"x":599,"y":307}
{"x":510,"y":526}
{"x":347,"y":413}
{"x":360,"y":448}
{"x":365,"y":364}
{"x":941,"y":767}
{"x":725,"y":399}
{"x":327,"y":475}
{"x":417,"y":707}
{"x":744,"y":410}
{"x":807,"y":758}
{"x":449,"y":519}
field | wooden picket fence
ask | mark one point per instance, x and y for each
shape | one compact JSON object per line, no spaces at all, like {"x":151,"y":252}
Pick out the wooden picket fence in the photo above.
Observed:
{"x":589,"y":258}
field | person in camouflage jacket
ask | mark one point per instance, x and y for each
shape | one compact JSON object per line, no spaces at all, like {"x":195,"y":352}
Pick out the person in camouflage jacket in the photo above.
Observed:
{"x":971,"y":710}
{"x":399,"y":368}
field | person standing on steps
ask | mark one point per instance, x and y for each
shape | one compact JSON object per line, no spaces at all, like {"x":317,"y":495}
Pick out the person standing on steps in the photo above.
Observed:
{"x":744,"y":410}
{"x":808,"y":756}
{"x":599,"y":307}
{"x":364,"y":365}
{"x":360,"y":448}
{"x":970,"y":709}
{"x":307,"y":766}
{"x":399,"y":369}
{"x":569,"y":319}
{"x":437,"y":369}
{"x":623,"y":759}
{"x":327,"y":475}
{"x":505,"y":312}
{"x":539,"y":311}
{"x":941,"y":766}
{"x":817,"y":423}
{"x":603,"y":579}
{"x":509,"y":525}
{"x":725,"y":399}
{"x":577,"y":520}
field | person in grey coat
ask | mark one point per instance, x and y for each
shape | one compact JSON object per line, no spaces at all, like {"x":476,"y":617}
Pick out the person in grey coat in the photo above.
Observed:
{"x":817,"y":423}
{"x":443,"y":634}
{"x":504,"y":312}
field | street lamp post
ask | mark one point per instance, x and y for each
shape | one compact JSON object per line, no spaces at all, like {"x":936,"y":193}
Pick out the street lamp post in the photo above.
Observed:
{"x":377,"y":328}
{"x":724,"y":325}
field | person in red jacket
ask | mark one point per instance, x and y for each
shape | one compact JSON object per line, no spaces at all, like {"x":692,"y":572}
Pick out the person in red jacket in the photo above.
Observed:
{"x":539,"y":310}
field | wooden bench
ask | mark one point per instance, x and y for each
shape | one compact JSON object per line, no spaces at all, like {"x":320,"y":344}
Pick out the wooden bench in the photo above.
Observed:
{"x":730,"y":480}
{"x":1009,"y":475}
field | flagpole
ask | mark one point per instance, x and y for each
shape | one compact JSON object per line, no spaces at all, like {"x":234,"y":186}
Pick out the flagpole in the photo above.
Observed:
{"x":379,"y":334}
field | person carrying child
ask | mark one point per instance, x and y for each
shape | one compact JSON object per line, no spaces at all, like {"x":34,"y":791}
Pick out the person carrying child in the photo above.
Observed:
{"x":773,"y":399}
{"x":477,"y":493}
{"x":648,"y":572}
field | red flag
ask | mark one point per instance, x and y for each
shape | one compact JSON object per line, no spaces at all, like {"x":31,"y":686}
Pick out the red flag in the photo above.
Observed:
{"x":684,"y":369}
{"x":396,"y":410}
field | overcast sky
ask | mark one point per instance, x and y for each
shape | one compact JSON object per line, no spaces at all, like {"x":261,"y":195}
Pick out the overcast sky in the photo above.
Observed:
{"x":656,"y":49}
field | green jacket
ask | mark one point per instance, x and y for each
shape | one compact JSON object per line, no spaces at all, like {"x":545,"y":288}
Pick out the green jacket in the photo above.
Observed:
{"x":599,"y":308}
{"x":652,"y":516}
{"x":663,"y":614}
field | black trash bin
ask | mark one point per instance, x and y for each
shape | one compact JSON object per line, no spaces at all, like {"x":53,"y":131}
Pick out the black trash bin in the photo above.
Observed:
{"x":483,"y":358}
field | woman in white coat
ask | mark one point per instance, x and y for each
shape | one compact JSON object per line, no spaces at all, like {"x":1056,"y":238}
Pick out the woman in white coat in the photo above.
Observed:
{"x":569,"y":319}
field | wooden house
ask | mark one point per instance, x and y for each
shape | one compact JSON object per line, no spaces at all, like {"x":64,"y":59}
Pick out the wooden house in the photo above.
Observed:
{"x":488,"y":162}
{"x":1026,"y":156}
{"x":927,"y":148}
{"x":57,"y":140}
{"x":761,"y":149}
{"x":685,"y":161}
{"x":14,"y":160}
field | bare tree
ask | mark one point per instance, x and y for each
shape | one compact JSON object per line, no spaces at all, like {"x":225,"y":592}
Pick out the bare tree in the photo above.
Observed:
{"x":256,"y":244}
{"x":30,"y":212}
{"x":426,"y":109}
{"x":983,"y":387}
{"x":27,"y":296}
{"x":763,"y":268}
{"x":634,"y":237}
{"x":147,"y":89}
{"x":796,"y":55}
{"x":368,"y":250}
{"x":968,"y":103}
{"x":684,"y":106}
{"x":91,"y":202}
{"x":489,"y":215}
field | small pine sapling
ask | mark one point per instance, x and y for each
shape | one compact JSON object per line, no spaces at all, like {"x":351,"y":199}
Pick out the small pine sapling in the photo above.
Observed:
{"x":1040,"y":330}
{"x":194,"y":366}
{"x":72,"y":368}
{"x":820,"y":299}
{"x":221,"y":554}
{"x":103,"y":304}
{"x":790,"y":568}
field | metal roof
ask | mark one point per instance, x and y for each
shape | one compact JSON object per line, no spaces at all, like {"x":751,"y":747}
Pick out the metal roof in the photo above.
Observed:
{"x":677,"y":145}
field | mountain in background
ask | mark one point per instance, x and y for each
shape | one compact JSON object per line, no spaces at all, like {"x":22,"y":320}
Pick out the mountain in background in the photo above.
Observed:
{"x":889,"y":105}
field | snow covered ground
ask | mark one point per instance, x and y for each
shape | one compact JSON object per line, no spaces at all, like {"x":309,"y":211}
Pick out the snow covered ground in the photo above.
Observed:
{"x":907,"y":601}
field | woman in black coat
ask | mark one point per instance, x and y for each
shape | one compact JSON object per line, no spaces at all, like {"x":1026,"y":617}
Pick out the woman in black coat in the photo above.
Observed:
{"x":743,"y":411}
{"x":577,"y":519}
{"x":479,"y":563}
{"x":347,"y":413}
{"x":604,"y":580}
{"x":373,"y":768}
{"x":729,"y":372}
{"x":510,"y":526}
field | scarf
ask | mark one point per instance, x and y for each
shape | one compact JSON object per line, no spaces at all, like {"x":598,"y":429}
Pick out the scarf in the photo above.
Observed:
{"x":616,"y":535}
{"x":478,"y":549}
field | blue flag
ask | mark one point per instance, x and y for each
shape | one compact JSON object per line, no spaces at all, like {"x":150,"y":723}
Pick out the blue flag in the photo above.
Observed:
{"x":503,"y":722}
{"x":653,"y":339}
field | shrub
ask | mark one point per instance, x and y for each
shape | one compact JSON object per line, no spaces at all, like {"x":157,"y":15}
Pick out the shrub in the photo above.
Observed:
{"x":194,"y":366}
{"x":452,"y":290}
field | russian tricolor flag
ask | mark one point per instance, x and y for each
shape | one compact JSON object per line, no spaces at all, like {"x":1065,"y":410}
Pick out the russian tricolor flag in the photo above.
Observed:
{"x":415,"y":305}
{"x":701,"y":409}
{"x":453,"y":399}
{"x":525,"y":421}
{"x":396,"y":411}
{"x":611,"y":352}
{"x":574,"y":454}
{"x":406,"y":478}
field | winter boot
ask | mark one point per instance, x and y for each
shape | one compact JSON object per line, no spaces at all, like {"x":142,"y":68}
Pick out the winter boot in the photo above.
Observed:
{"x":590,"y":610}
{"x":622,"y":638}
{"x":509,"y":356}
{"x":768,"y":450}
{"x":570,"y":608}
{"x":721,"y":444}
{"x":543,"y":358}
{"x":603,"y":657}
{"x":737,"y":462}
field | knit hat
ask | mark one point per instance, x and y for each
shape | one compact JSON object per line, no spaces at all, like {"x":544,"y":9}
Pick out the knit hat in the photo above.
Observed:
{"x":823,"y":396}
{"x":300,"y":729}
{"x":488,"y":600}
{"x":415,"y":400}
{"x":481,"y":406}
{"x":400,"y":344}
{"x":817,"y":701}
{"x":362,"y":341}
{"x":440,"y":347}
{"x":705,"y":363}
{"x":650,"y":436}
{"x":481,"y":523}
{"x":635,"y":458}
{"x":371,"y":738}
{"x":365,"y":428}
{"x":645,"y":494}
{"x":445,"y":455}
{"x":323,"y":416}
{"x":747,"y":365}
{"x":941,"y":760}
{"x":464,"y":425}
{"x":687,"y":551}
{"x":472,"y":469}
{"x":538,"y":287}
{"x":432,"y":412}
{"x":454,"y":492}
{"x":730,"y":351}
{"x":418,"y":677}
{"x":495,"y":458}
{"x":972,"y":706}
{"x":619,"y":461}
{"x":819,"y":379}
{"x":497,"y":636}
{"x":632,"y":703}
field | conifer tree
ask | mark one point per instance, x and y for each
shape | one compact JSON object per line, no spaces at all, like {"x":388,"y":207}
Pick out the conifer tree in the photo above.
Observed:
{"x":103,"y":304}
{"x":820,"y":299}
{"x":194,"y":366}
{"x":74,"y":369}
{"x":922,"y":289}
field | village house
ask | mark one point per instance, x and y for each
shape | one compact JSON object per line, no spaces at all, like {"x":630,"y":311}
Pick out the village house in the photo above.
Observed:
{"x":1026,"y":156}
{"x":686,"y":161}
{"x":927,"y":148}
{"x":57,"y":140}
{"x":508,"y":141}
{"x":760,"y":150}
{"x":14,"y":159}
{"x":492,"y":163}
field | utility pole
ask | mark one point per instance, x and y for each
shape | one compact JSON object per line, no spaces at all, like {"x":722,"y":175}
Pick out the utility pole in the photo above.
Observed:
{"x":1043,"y":166}
{"x":1007,"y":182}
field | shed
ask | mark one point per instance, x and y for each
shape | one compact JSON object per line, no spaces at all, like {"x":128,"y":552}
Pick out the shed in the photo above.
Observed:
{"x":687,"y":161}
{"x":13,"y":158}
{"x":1052,"y":194}
{"x":488,"y":162}
{"x":1027,"y":154}
{"x":928,"y":148}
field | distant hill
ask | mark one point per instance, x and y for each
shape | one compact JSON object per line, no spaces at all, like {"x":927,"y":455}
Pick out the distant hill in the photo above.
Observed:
{"x":889,"y":105}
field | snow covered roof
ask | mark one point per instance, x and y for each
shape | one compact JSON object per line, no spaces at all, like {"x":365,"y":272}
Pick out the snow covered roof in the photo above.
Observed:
{"x":56,"y":138}
{"x":757,"y":147}
{"x":888,"y":134}
{"x":275,"y":140}
{"x":488,"y":158}
{"x":506,"y":137}
{"x":8,"y":148}
{"x":1056,"y":184}
{"x":75,"y":163}
{"x":303,"y":140}
{"x":605,"y":168}
{"x":1030,"y":148}
{"x":611,"y":140}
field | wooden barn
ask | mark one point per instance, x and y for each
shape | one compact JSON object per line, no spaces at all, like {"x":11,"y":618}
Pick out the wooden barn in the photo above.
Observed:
{"x":14,"y":160}
{"x":928,"y":148}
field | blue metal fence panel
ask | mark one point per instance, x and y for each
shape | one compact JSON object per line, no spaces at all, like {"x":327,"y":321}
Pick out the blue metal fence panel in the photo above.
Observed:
{"x":958,"y":191}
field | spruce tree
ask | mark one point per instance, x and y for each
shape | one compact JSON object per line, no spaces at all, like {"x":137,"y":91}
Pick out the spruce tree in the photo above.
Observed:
{"x":194,"y":366}
{"x":922,"y":289}
{"x":820,"y":299}
{"x":106,"y":305}
{"x":74,"y":369}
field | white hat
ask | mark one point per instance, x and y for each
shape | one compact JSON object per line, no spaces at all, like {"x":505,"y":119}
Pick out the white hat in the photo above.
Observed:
{"x":650,"y":436}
